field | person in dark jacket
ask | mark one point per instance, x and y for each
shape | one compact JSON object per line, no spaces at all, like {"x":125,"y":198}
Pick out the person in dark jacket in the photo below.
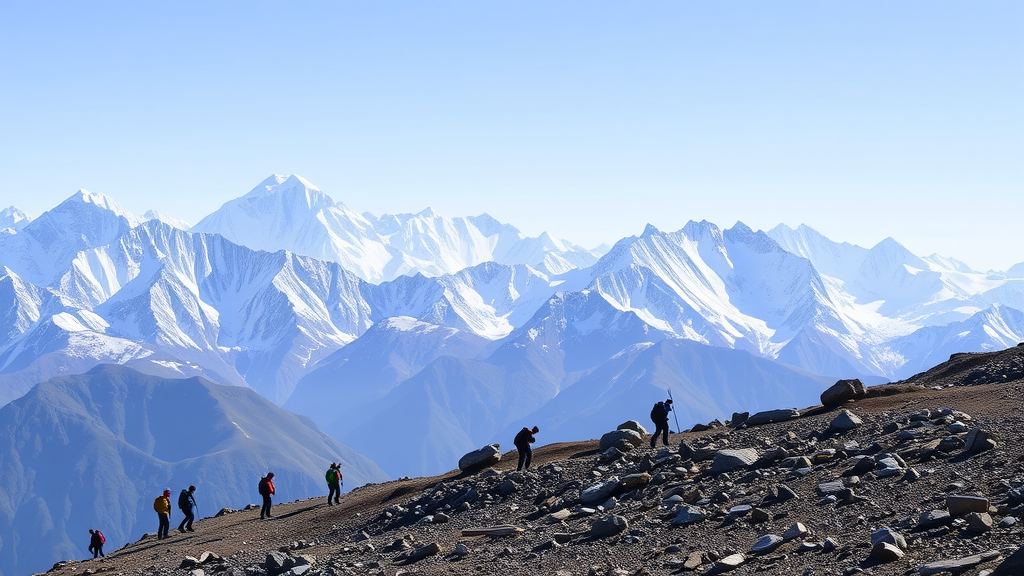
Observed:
{"x":96,"y":542}
{"x":186,"y":503}
{"x":522,"y":442}
{"x":162,"y":505}
{"x":659,"y":415}
{"x":333,"y":478}
{"x":266,"y":488}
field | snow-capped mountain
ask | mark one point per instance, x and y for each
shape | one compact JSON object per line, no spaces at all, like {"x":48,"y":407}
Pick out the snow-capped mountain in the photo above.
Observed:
{"x":93,"y":451}
{"x":12,"y":219}
{"x":289,"y":213}
{"x":44,"y":248}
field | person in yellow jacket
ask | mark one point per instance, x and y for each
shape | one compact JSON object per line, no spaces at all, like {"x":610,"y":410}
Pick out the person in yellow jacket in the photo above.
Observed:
{"x":162,"y":505}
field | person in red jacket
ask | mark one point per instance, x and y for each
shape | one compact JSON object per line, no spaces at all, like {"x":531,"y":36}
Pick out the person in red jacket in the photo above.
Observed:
{"x":96,"y":542}
{"x":266,"y":488}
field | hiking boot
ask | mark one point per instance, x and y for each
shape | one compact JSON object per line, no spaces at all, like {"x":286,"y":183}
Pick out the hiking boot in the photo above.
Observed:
{"x":190,"y":529}
{"x":182,"y":530}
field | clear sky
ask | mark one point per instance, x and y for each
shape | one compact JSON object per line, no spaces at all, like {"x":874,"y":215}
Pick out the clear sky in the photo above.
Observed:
{"x":863,"y":119}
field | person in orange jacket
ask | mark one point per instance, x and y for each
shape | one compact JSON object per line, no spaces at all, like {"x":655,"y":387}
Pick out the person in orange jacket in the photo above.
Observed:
{"x":162,"y":505}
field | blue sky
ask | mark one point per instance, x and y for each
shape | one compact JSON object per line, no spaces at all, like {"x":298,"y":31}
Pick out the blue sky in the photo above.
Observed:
{"x":587,"y":119}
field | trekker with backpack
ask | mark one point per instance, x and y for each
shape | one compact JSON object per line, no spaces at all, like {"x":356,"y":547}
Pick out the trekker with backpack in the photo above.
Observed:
{"x":162,"y":505}
{"x":334,"y":483}
{"x":522,"y":442}
{"x":96,"y":542}
{"x":266,"y":488}
{"x":186,"y":502}
{"x":659,"y":415}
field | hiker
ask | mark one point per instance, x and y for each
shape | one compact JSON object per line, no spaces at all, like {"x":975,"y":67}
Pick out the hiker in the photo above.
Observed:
{"x":186,"y":502}
{"x":659,"y":414}
{"x":266,"y":488}
{"x":162,"y":505}
{"x":96,"y":542}
{"x":334,"y":483}
{"x":522,"y":442}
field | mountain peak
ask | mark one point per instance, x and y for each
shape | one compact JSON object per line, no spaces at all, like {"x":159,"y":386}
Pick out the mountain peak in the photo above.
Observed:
{"x":279,"y":183}
{"x":13,"y":218}
{"x":650,"y":230}
{"x":102,"y":201}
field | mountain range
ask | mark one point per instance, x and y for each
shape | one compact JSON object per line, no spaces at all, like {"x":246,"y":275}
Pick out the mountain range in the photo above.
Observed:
{"x":444,"y":333}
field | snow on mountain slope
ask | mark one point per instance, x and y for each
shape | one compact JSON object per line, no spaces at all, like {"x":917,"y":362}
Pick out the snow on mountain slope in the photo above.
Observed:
{"x":94,"y":450}
{"x":488,"y":299}
{"x":249,"y":316}
{"x":171,"y":220}
{"x":1016,"y":271}
{"x":994,"y":328}
{"x":13,"y":219}
{"x":706,"y":382}
{"x":289,"y":213}
{"x":890,"y":280}
{"x":43,"y":249}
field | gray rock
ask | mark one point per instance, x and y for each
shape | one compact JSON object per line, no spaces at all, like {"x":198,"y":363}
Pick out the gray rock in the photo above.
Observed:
{"x":956,"y":566}
{"x":829,"y":545}
{"x":842,"y":391}
{"x":188,"y":562}
{"x":1008,"y":521}
{"x":208,"y":557}
{"x":689,"y":515}
{"x":885,"y":552}
{"x":634,"y":426}
{"x":783,"y":493}
{"x":633,"y":481}
{"x":950,"y":444}
{"x":600,"y":492}
{"x":608,"y":526}
{"x":276,"y":561}
{"x":506,"y":487}
{"x":959,"y":505}
{"x":770,"y":416}
{"x":831,"y":487}
{"x":728,"y":563}
{"x":933,"y":518}
{"x":628,"y":437}
{"x":766,"y":544}
{"x":957,"y":427}
{"x":888,"y":466}
{"x":197,"y":572}
{"x":979,"y":522}
{"x":728,"y":460}
{"x":978,"y":441}
{"x":797,"y":530}
{"x":431,"y":549}
{"x":889,"y":536}
{"x":846,"y":420}
{"x":486,"y":456}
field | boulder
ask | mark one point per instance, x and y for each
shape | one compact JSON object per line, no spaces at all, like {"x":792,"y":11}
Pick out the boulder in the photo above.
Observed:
{"x":889,"y":536}
{"x":797,"y":530}
{"x":728,"y":563}
{"x":766,"y":544}
{"x":727,"y":460}
{"x":846,"y":420}
{"x":959,"y":505}
{"x":933,"y":519}
{"x":739,"y":419}
{"x":631,"y":438}
{"x":885,"y":552}
{"x":432,"y":549}
{"x":608,"y":526}
{"x":689,"y":515}
{"x":979,"y":522}
{"x":842,"y":391}
{"x":486,"y":456}
{"x":978,"y":441}
{"x":634,"y":426}
{"x":634,"y":481}
{"x":769,"y":416}
{"x":599,"y":492}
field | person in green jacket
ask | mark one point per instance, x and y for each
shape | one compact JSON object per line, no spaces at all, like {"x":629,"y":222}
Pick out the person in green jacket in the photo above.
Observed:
{"x":333,"y":477}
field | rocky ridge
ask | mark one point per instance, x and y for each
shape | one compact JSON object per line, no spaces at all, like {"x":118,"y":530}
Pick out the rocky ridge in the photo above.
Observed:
{"x":920,"y":477}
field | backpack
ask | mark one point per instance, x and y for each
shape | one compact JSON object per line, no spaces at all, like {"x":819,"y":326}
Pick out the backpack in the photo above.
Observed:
{"x":659,"y":413}
{"x":103,"y":539}
{"x":183,"y":500}
{"x":264,"y":487}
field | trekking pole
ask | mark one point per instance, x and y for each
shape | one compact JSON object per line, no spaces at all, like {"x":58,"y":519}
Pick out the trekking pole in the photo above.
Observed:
{"x":674,"y":415}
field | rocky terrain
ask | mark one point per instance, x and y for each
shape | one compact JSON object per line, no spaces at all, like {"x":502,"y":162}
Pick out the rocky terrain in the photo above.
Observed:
{"x":924,"y":476}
